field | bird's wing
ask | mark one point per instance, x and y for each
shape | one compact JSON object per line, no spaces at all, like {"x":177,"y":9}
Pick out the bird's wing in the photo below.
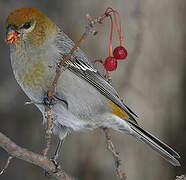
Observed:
{"x":83,"y":68}
{"x":92,"y":76}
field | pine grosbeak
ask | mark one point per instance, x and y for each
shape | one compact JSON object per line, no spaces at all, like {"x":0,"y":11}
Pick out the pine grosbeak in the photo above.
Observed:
{"x":84,"y":99}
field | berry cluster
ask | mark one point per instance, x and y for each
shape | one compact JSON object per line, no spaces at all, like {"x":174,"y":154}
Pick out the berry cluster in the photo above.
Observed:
{"x":119,"y":53}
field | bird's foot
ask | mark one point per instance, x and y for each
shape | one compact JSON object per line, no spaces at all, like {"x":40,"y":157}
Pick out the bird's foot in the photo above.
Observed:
{"x":56,"y":164}
{"x":49,"y":101}
{"x":33,"y":102}
{"x":47,"y":174}
{"x":57,"y":168}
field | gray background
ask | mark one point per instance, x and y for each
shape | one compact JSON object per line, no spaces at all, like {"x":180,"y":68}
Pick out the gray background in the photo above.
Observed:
{"x":152,"y":82}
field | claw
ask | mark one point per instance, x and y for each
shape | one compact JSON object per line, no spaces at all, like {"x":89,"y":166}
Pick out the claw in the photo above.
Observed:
{"x":57,"y":168}
{"x":56,"y":164}
{"x":47,"y":174}
{"x":48,"y":101}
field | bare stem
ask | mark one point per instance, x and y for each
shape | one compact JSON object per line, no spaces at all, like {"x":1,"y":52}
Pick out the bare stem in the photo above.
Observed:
{"x":48,"y":130}
{"x":6,"y":165}
{"x":88,"y":30}
{"x":115,"y":154}
{"x":21,"y":153}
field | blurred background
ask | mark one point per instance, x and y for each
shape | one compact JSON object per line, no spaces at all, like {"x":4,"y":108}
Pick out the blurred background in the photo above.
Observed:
{"x":152,"y":81}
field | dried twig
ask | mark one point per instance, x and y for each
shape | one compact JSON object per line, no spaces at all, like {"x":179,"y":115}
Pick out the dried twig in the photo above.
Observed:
{"x":115,"y":154}
{"x":33,"y":158}
{"x":48,"y":130}
{"x":89,"y":30}
{"x":6,"y":165}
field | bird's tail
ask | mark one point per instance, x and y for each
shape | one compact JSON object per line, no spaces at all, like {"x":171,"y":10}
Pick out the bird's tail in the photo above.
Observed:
{"x":164,"y":150}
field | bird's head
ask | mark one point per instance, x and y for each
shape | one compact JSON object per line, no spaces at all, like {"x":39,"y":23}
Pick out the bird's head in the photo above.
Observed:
{"x":29,"y":25}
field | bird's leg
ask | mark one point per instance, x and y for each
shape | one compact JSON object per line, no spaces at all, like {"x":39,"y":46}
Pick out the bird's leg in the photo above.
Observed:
{"x":55,"y":158}
{"x":56,"y":154}
{"x":49,"y":101}
{"x":58,"y":149}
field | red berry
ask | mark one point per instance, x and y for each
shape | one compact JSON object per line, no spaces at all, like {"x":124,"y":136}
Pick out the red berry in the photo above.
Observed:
{"x":120,"y":52}
{"x":110,"y":63}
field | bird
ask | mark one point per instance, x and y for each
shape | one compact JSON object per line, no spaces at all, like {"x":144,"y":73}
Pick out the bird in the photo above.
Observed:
{"x":84,"y":99}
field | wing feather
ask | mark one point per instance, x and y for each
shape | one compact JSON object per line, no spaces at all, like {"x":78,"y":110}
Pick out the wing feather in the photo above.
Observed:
{"x":92,"y":76}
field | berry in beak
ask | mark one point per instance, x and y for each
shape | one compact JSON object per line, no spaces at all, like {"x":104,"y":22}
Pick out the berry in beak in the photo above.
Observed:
{"x":11,"y":35}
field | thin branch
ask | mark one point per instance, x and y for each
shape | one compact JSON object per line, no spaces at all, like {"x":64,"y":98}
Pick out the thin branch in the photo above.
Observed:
{"x":89,"y":30}
{"x":6,"y":165}
{"x":48,"y":130}
{"x":115,"y":154}
{"x":21,"y":153}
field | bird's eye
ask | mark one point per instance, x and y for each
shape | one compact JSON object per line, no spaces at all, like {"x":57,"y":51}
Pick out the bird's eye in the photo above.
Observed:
{"x":27,"y":25}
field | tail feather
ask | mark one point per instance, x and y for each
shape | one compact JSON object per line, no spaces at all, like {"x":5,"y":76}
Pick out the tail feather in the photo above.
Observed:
{"x":164,"y":150}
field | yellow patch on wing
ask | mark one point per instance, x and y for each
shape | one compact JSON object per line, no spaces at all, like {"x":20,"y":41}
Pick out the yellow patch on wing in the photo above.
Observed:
{"x":118,"y":111}
{"x":34,"y":76}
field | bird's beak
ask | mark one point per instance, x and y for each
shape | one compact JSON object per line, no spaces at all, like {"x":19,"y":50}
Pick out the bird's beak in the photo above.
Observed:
{"x":11,"y":35}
